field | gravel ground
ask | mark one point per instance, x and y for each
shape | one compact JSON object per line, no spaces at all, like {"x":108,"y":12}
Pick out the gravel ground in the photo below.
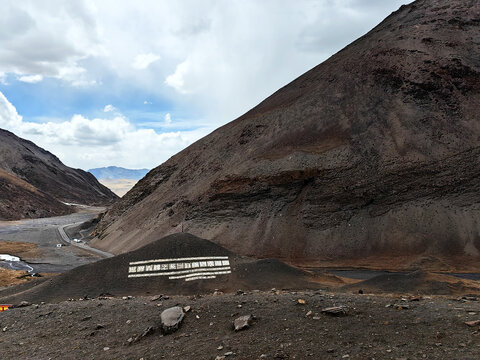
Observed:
{"x":375,"y":327}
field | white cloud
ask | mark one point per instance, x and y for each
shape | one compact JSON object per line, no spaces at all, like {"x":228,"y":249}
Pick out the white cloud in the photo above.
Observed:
{"x":168,"y":118}
{"x":9,"y":118}
{"x":32,"y":79}
{"x":142,"y":61}
{"x":147,"y":102}
{"x":88,"y":143}
{"x":219,"y":58}
{"x":109,"y":108}
{"x":49,"y":39}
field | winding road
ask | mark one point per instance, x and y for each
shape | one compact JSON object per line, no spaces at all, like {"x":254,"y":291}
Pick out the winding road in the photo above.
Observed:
{"x":67,"y":240}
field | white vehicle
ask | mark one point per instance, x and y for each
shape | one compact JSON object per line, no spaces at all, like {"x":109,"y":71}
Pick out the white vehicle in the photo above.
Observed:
{"x":59,"y":245}
{"x":76,"y":240}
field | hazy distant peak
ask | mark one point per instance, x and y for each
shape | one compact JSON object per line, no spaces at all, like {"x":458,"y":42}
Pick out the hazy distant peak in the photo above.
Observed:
{"x":115,"y":172}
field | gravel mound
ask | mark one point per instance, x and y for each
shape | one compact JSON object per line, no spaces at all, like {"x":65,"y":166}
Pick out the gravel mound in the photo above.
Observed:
{"x":113,"y":276}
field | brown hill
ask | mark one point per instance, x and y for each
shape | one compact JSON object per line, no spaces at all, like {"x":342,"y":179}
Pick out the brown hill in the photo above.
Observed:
{"x":373,"y":152}
{"x":34,"y":183}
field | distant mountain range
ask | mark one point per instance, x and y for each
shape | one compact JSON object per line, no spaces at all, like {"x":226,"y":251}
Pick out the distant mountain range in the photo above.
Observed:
{"x":115,"y":172}
{"x":34,"y":183}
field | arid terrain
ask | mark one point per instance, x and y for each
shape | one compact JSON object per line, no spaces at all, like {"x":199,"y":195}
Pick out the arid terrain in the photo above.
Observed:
{"x":119,"y":186}
{"x":338,"y":219}
{"x":374,"y":327}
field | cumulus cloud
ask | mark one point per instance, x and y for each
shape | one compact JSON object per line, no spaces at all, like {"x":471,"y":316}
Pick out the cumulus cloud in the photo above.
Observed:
{"x":32,"y":79}
{"x":48,"y":40}
{"x":88,"y":143}
{"x":109,"y":108}
{"x":142,"y":61}
{"x":168,"y":118}
{"x":9,"y":118}
{"x":219,"y":57}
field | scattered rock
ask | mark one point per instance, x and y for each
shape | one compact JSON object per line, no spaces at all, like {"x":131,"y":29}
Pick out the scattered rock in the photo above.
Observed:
{"x":156,"y":298}
{"x":22,"y":304}
{"x":106,"y":348}
{"x":335,"y":310}
{"x":171,"y":319}
{"x":472,"y":323}
{"x":187,"y":309}
{"x":301,"y":301}
{"x":85,"y":318}
{"x":243,"y":322}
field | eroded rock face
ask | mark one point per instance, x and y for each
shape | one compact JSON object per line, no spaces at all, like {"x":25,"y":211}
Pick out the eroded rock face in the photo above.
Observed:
{"x":373,"y":152}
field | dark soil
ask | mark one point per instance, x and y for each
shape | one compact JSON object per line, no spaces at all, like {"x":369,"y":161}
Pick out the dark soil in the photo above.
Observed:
{"x":425,"y":328}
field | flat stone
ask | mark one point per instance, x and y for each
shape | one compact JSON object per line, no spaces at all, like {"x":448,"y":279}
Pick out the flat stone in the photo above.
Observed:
{"x":472,"y":323}
{"x":171,"y":319}
{"x":335,"y":310}
{"x":243,"y":322}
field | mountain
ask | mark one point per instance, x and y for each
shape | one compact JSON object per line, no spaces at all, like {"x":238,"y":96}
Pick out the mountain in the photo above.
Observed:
{"x":34,"y":183}
{"x":115,"y":172}
{"x":373,"y":153}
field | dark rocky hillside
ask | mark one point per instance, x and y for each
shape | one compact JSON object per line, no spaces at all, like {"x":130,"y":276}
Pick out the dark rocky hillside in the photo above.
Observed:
{"x":373,"y":152}
{"x":36,"y":184}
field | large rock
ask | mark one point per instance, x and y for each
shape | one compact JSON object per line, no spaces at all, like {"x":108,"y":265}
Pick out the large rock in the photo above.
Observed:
{"x":171,"y":319}
{"x":373,"y":152}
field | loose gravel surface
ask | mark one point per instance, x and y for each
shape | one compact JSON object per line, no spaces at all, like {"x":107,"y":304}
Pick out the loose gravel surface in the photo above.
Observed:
{"x":286,"y":325}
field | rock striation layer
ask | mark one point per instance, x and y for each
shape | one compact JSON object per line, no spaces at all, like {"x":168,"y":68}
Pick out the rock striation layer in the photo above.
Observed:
{"x":373,"y":152}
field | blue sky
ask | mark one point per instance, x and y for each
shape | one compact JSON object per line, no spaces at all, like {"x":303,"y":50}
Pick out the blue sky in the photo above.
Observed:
{"x":124,"y":83}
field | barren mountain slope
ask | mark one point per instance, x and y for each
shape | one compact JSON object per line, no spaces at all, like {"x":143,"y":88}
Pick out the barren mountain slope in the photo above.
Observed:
{"x":35,"y":182}
{"x":374,"y":151}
